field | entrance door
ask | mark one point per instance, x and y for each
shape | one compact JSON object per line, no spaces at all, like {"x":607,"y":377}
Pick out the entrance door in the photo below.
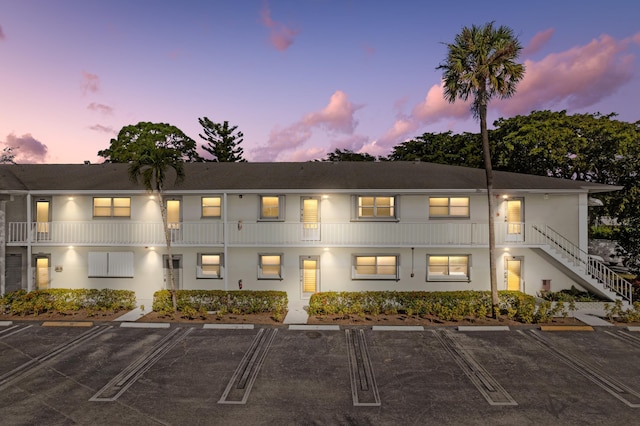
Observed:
{"x":513,"y":267}
{"x":13,"y":273}
{"x":515,"y":219}
{"x":310,"y":218}
{"x":309,"y":275}
{"x":43,"y":217}
{"x":42,"y":272}
{"x":177,"y":271}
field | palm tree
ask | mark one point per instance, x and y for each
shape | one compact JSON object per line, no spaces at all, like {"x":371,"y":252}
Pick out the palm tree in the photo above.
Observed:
{"x":481,"y":62}
{"x":152,"y":164}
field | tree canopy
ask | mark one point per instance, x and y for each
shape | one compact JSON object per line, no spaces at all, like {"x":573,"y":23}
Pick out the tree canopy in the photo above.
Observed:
{"x":348,"y":155}
{"x":7,"y":156}
{"x":132,"y":140}
{"x":222,"y":143}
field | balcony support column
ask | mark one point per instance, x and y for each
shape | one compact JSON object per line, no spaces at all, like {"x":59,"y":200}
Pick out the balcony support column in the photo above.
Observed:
{"x":225,"y":241}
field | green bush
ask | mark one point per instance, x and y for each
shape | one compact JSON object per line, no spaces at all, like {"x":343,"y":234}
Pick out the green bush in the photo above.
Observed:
{"x":191,"y":303}
{"x":64,"y":300}
{"x":446,"y":305}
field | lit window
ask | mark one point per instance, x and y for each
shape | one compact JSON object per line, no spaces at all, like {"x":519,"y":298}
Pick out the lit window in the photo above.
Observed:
{"x":448,"y":268}
{"x":111,"y":207}
{"x":209,"y":265}
{"x":375,"y":267}
{"x":271,"y":207}
{"x":375,"y":207}
{"x":211,"y":207}
{"x":270,"y":266}
{"x":449,"y":207}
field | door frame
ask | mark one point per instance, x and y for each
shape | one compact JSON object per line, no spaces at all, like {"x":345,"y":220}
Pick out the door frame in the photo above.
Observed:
{"x":506,"y":271}
{"x":316,"y":258}
{"x":312,"y":233}
{"x":515,"y":236}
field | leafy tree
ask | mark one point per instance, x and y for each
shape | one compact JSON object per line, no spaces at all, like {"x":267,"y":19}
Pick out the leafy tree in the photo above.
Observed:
{"x":444,"y":148}
{"x":131,"y":139}
{"x":222,"y":144}
{"x":348,"y":155}
{"x":481,"y":62}
{"x":7,"y":156}
{"x":629,"y":245}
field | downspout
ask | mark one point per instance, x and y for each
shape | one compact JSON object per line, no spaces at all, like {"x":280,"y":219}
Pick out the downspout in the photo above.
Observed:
{"x":29,"y":248}
{"x":225,"y":240}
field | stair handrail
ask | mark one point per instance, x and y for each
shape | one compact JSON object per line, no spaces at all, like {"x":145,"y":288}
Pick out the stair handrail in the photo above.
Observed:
{"x":592,"y":267}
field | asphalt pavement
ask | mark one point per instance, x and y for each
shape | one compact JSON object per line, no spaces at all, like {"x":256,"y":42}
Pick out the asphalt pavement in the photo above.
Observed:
{"x":108,"y":374}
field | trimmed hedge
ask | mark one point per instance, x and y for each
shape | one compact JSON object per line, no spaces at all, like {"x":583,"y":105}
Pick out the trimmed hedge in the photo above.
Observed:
{"x":446,"y":305}
{"x":64,"y":300}
{"x":193,"y":302}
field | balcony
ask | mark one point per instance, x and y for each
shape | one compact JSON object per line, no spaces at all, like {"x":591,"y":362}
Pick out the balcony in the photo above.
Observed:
{"x":272,"y":234}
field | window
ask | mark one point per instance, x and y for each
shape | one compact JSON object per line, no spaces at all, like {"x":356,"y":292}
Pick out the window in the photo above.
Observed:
{"x":174,"y":213}
{"x":449,"y":207}
{"x":111,"y":207}
{"x":211,"y":207}
{"x":376,"y":207}
{"x":209,"y":265}
{"x":272,"y":207}
{"x":448,"y":268}
{"x":270,"y":266}
{"x":375,"y":267}
{"x":111,"y":264}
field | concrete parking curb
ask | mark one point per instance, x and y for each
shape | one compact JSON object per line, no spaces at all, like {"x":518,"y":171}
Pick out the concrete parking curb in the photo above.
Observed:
{"x":67,"y":324}
{"x":313,"y":327}
{"x":397,"y":328}
{"x":145,"y":325}
{"x":5,"y":323}
{"x":229,"y":326}
{"x":483,"y":328}
{"x":633,"y":328}
{"x":566,"y":328}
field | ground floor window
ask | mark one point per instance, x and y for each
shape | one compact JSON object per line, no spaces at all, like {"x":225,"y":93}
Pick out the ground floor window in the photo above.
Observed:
{"x":111,"y":264}
{"x":270,"y":266}
{"x":448,"y":268}
{"x":209,"y":265}
{"x":375,"y":267}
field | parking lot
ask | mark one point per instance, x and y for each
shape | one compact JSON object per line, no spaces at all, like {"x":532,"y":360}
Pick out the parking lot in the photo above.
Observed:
{"x":108,"y":374}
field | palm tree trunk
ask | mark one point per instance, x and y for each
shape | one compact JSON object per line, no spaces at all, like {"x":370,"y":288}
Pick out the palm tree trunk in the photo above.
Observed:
{"x":495,"y":301}
{"x":167,"y":238}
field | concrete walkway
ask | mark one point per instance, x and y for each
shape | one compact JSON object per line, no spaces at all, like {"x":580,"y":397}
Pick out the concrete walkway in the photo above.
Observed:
{"x":297,"y":312}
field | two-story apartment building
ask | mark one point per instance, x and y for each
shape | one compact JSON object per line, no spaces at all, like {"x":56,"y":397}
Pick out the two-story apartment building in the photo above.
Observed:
{"x":297,"y":227}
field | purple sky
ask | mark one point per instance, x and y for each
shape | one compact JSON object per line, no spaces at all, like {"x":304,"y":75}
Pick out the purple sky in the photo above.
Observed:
{"x":299,"y":77}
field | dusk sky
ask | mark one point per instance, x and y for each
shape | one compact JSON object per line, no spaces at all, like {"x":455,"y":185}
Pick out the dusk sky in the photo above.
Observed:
{"x":299,"y":77}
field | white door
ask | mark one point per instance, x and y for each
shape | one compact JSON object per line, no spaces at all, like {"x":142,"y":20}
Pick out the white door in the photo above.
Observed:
{"x":515,"y":220}
{"x":310,"y":218}
{"x":43,"y":273}
{"x":177,"y":271}
{"x":309,"y":275}
{"x":43,"y":217}
{"x":513,"y":268}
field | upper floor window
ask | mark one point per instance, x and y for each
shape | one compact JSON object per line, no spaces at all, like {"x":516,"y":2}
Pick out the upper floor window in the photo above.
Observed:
{"x":272,"y":207}
{"x":376,"y":207}
{"x":448,"y":268}
{"x":209,"y":265}
{"x":270,"y":266}
{"x":449,"y":207}
{"x":375,"y":267}
{"x":211,"y":207}
{"x":111,"y":207}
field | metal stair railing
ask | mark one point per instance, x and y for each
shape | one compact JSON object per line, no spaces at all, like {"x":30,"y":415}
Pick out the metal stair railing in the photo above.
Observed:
{"x":592,"y":267}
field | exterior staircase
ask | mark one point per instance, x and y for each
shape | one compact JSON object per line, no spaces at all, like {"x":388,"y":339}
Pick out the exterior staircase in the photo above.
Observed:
{"x":588,"y":272}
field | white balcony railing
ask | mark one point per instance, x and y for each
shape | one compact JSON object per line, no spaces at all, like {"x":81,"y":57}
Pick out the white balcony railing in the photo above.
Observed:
{"x":350,"y":234}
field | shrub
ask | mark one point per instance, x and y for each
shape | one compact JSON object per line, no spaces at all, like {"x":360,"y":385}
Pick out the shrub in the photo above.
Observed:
{"x":66,"y":301}
{"x":240,"y":302}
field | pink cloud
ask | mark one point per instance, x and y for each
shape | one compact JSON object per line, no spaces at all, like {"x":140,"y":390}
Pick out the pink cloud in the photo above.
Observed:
{"x":307,"y":154}
{"x":537,"y":42}
{"x":573,"y":79}
{"x":2,"y":36}
{"x":336,"y":117}
{"x":576,"y":78}
{"x":27,"y":149}
{"x":90,"y":83}
{"x":101,"y":108}
{"x":280,"y":36}
{"x":103,"y":129}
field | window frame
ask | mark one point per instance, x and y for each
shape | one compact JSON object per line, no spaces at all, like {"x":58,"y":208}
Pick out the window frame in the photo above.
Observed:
{"x":448,"y":277}
{"x":199,"y":266}
{"x":393,"y":206}
{"x":110,"y":264}
{"x":202,"y":207}
{"x":262,"y":275}
{"x":355,"y":275}
{"x":112,"y":208}
{"x":449,"y":215}
{"x":281,"y":209}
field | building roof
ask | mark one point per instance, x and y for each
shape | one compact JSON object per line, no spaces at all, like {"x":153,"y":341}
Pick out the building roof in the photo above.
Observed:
{"x":401,"y":176}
